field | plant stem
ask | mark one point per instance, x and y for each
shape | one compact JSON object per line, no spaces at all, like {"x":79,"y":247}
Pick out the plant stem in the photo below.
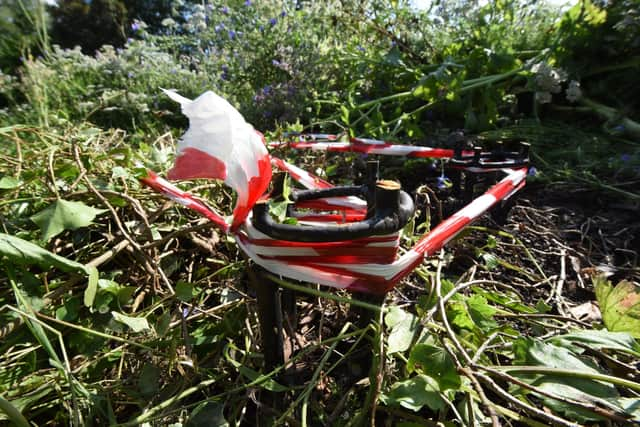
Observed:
{"x":569,"y":373}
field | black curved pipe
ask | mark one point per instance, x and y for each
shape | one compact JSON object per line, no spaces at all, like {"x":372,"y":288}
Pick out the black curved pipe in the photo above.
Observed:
{"x":393,"y":209}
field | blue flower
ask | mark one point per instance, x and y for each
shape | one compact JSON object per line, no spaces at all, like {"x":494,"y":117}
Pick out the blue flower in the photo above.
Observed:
{"x":360,"y":48}
{"x":273,"y":21}
{"x":232,"y":34}
{"x":135,"y":26}
{"x":283,"y":14}
{"x":444,"y":182}
{"x":625,"y":157}
{"x":225,"y":10}
{"x":275,"y":63}
{"x":247,"y":3}
{"x":219,"y":27}
{"x":532,"y":171}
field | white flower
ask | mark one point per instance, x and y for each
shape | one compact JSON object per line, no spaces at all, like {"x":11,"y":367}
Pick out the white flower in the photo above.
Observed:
{"x":168,"y":22}
{"x":574,"y":93}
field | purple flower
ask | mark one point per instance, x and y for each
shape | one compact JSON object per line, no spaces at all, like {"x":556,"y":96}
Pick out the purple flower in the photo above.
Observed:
{"x":130,"y":74}
{"x":273,"y":21}
{"x":232,"y":34}
{"x":625,"y":157}
{"x":219,"y":27}
{"x":360,"y":48}
{"x":247,"y":3}
{"x":266,"y":90}
{"x":225,"y":10}
{"x":135,"y":26}
{"x":532,"y":171}
{"x":283,"y":14}
{"x":275,"y":63}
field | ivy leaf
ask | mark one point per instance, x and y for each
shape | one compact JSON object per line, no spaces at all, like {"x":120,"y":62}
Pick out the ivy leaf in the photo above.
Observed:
{"x":137,"y":324}
{"x":403,"y":326}
{"x":414,"y":393}
{"x":436,"y":363}
{"x":620,"y":305}
{"x":64,"y":215}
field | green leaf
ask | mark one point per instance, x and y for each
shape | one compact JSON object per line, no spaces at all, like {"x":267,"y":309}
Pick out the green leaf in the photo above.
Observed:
{"x":481,"y":312}
{"x":533,"y":352}
{"x":69,"y":310}
{"x":344,"y":114}
{"x":148,"y":382}
{"x":207,"y":414}
{"x":620,"y":305}
{"x":163,"y":324}
{"x":64,"y":215}
{"x":8,"y":183}
{"x":403,"y":326}
{"x":458,"y":314}
{"x":184,"y":291}
{"x":22,"y":252}
{"x":598,"y":340}
{"x":436,"y":363}
{"x":137,"y":324}
{"x":415,"y":393}
{"x":490,"y":261}
{"x":92,"y":287}
{"x":268,"y":384}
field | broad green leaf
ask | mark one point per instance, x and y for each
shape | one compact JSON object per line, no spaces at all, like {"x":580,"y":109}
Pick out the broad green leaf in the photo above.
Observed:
{"x":620,"y":305}
{"x":149,"y":380}
{"x":533,"y":352}
{"x":481,"y":312}
{"x":69,"y":310}
{"x":64,"y":215}
{"x":403,"y":326}
{"x":207,"y":414}
{"x":631,"y":406}
{"x":8,"y":183}
{"x":415,"y":393}
{"x":184,"y":291}
{"x":436,"y":363}
{"x":137,"y":324}
{"x":22,"y":252}
{"x":598,"y":340}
